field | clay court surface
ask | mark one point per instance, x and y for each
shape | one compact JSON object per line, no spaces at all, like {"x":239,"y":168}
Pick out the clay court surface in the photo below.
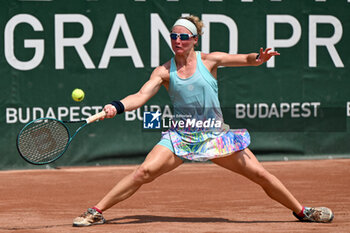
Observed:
{"x":193,"y":198}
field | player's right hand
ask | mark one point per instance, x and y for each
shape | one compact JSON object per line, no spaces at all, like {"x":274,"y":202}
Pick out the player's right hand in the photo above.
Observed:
{"x":110,"y":111}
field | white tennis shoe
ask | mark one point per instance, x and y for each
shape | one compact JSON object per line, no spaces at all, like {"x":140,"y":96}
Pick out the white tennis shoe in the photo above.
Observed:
{"x":89,"y":218}
{"x":317,"y":214}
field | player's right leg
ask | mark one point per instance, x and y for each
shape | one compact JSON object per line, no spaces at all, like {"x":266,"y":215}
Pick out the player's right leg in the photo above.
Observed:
{"x":159,"y":161}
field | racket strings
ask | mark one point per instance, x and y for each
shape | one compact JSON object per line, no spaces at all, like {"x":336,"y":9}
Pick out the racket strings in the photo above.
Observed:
{"x":44,"y":141}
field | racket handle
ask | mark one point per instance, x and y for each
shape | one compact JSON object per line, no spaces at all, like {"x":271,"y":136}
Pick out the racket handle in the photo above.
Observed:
{"x":96,"y":117}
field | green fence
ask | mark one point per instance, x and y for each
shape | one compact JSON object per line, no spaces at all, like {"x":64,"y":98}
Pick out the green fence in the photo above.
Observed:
{"x":297,"y":105}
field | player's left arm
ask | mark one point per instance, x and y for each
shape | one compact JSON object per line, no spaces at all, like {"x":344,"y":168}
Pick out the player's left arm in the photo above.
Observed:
{"x":230,"y":60}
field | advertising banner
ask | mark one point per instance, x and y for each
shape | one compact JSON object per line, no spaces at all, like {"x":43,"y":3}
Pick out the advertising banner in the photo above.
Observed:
{"x":297,"y":104}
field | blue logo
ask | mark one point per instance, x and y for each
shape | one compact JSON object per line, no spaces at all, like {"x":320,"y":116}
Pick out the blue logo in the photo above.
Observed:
{"x":151,"y":120}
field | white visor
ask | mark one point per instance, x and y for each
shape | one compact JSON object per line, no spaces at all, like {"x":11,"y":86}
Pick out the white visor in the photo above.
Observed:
{"x":187,"y":24}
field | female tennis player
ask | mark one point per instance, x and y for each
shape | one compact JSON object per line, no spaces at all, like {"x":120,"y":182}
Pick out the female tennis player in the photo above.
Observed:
{"x":190,"y":78}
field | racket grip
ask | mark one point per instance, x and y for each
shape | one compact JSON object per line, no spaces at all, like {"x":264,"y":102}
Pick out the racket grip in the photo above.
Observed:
{"x":96,"y":117}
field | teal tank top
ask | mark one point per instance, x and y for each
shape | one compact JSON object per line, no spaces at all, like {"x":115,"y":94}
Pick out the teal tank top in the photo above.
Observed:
{"x":195,"y":97}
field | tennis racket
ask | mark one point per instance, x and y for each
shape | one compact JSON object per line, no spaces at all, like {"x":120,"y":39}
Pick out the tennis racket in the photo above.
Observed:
{"x":45,"y":140}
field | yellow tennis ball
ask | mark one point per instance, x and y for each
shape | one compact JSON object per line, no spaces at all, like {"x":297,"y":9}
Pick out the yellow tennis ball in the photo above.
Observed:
{"x":78,"y":95}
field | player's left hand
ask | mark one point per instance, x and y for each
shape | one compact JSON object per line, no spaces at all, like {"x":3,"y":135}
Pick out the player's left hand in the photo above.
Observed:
{"x":264,"y":56}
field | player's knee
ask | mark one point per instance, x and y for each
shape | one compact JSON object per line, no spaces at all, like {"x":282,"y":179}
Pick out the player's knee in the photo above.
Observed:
{"x":262,"y":177}
{"x":143,"y":175}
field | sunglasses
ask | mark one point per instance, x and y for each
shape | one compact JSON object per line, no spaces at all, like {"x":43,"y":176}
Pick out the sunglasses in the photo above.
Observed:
{"x":182,"y":36}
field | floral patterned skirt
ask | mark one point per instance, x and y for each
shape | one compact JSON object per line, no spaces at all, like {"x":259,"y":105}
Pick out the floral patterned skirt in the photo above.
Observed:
{"x":205,"y":145}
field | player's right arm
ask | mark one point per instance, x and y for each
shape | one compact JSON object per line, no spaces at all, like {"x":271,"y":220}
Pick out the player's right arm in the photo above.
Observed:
{"x":147,"y":91}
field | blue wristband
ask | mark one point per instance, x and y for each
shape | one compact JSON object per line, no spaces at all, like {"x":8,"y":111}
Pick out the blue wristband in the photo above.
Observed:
{"x":119,"y":106}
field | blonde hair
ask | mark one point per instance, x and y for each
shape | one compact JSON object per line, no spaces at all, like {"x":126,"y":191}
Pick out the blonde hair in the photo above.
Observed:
{"x":196,"y":21}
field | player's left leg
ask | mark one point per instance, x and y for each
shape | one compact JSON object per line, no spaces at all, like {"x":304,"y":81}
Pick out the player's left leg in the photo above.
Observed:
{"x":245,"y":163}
